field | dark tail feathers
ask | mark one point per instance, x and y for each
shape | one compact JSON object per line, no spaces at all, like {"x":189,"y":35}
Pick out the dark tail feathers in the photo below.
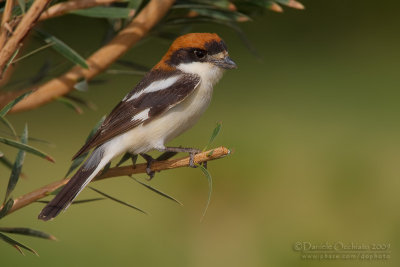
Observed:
{"x":81,"y":178}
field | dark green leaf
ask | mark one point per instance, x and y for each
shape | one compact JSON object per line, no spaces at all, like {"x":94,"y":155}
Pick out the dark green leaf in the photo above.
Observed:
{"x":124,"y":158}
{"x":134,"y":4}
{"x":9,"y":106}
{"x":116,"y":200}
{"x":157,"y":191}
{"x":27,"y":231}
{"x":75,"y":201}
{"x":26,"y":148}
{"x":70,"y":104}
{"x":22,"y":5}
{"x":32,"y":52}
{"x":63,"y":49}
{"x":212,"y":3}
{"x":222,"y":15}
{"x":16,"y":244}
{"x":106,"y":168}
{"x":8,"y":164}
{"x":17,"y":167}
{"x":209,"y":178}
{"x":55,"y":192}
{"x":9,"y":125}
{"x":10,"y":60}
{"x":127,"y":72}
{"x":81,"y":101}
{"x":133,"y":65}
{"x":291,"y":3}
{"x":95,"y":128}
{"x":76,"y":162}
{"x":166,"y":156}
{"x":105,"y":12}
{"x":32,"y":139}
{"x":6,"y":208}
{"x":214,"y":134}
{"x":194,"y":6}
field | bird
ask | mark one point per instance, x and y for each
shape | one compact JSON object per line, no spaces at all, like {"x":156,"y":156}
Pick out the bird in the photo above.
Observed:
{"x":168,"y":101}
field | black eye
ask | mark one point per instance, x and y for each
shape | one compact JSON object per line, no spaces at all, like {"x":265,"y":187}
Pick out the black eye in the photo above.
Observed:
{"x":200,"y":53}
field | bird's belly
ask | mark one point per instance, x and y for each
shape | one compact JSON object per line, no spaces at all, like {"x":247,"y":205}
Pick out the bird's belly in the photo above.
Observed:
{"x":167,"y":126}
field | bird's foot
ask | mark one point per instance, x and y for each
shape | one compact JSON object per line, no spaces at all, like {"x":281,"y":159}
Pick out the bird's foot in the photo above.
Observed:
{"x":192,"y":152}
{"x":134,"y":159}
{"x":149,"y":159}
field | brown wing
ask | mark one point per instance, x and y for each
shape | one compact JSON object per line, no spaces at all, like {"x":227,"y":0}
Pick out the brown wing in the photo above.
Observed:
{"x":120,"y":119}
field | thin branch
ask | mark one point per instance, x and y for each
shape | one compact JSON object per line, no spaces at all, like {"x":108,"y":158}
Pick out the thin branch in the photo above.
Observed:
{"x":21,"y":31}
{"x":65,"y":7}
{"x":44,"y":191}
{"x":149,"y":16}
{"x":4,"y":19}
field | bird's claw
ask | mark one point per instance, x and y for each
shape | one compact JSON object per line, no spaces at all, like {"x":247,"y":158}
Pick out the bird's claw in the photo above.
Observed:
{"x":149,"y":161}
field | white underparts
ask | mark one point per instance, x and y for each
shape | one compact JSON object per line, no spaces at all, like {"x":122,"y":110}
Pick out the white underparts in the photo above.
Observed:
{"x":155,"y":86}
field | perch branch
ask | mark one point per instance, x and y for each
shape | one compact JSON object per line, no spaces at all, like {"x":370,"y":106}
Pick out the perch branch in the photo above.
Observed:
{"x":21,"y":31}
{"x":44,"y":191}
{"x":148,"y":17}
{"x":4,"y":20}
{"x":65,"y":7}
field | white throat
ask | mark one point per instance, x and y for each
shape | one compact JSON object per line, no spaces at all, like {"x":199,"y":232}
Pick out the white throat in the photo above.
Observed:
{"x":209,"y":73}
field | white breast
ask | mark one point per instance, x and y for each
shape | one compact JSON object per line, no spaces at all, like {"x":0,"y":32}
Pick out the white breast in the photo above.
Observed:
{"x":176,"y":120}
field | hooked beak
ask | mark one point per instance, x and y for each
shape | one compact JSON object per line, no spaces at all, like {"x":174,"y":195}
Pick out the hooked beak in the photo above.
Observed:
{"x":225,"y":63}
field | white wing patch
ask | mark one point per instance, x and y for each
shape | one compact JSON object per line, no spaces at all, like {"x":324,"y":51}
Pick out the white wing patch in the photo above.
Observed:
{"x":141,"y":116}
{"x":156,"y":86}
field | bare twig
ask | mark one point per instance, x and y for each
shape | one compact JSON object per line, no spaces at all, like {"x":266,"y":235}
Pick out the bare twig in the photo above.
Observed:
{"x":65,"y":7}
{"x":150,"y":15}
{"x":4,"y":20}
{"x":21,"y":31}
{"x":44,"y":191}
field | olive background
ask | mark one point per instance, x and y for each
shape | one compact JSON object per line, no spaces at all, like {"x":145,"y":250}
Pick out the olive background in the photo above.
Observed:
{"x":313,"y":122}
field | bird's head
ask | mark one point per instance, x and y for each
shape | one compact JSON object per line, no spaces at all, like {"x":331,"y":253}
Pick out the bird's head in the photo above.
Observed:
{"x":195,"y":51}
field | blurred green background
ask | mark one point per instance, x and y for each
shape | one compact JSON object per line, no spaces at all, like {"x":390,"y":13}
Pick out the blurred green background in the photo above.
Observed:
{"x":314,"y":125}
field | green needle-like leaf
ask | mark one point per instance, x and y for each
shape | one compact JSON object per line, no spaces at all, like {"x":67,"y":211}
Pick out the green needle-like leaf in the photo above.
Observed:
{"x":124,"y":158}
{"x":214,"y":134}
{"x":22,"y":5}
{"x":134,"y":4}
{"x":63,"y":49}
{"x":6,"y":162}
{"x":9,"y":106}
{"x":17,"y":167}
{"x":6,"y":208}
{"x":26,"y":148}
{"x":157,"y":191}
{"x":71,"y":104}
{"x":27,"y":231}
{"x":116,"y":200}
{"x":75,"y":201}
{"x":291,"y":3}
{"x":16,"y":244}
{"x":209,"y":178}
{"x":105,"y":12}
{"x":76,"y":162}
{"x":106,"y":168}
{"x":10,"y":60}
{"x":9,"y":125}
